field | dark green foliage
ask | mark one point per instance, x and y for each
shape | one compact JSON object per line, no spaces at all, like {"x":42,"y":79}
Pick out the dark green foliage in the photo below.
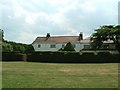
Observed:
{"x":104,"y":53}
{"x":72,"y":57}
{"x":12,"y":56}
{"x":63,"y":57}
{"x":87,"y":53}
{"x":105,"y":33}
{"x":69,"y":47}
{"x":60,"y":49}
{"x":29,"y":48}
{"x":6,"y":47}
{"x":1,"y":35}
{"x":10,"y":46}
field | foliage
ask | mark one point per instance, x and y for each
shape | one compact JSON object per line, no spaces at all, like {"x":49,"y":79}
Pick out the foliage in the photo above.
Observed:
{"x":73,"y":57}
{"x":6,"y":47}
{"x":29,"y":48}
{"x":105,"y":33}
{"x":17,"y":47}
{"x":1,"y":35}
{"x":69,"y":47}
{"x":10,"y":46}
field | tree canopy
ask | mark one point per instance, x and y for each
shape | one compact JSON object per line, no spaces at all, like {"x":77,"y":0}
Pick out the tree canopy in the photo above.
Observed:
{"x":104,"y":33}
{"x":1,"y":35}
{"x":10,"y":46}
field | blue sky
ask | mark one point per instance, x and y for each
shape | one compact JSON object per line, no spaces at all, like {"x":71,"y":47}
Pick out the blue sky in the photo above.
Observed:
{"x":24,"y":20}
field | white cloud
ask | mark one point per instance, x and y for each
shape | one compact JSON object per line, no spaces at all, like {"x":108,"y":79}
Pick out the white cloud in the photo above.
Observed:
{"x":31,"y":18}
{"x":26,"y":36}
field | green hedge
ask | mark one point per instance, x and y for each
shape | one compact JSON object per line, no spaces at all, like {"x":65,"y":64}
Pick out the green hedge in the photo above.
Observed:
{"x":103,"y":53}
{"x":12,"y":56}
{"x":69,"y":57}
{"x":72,"y":57}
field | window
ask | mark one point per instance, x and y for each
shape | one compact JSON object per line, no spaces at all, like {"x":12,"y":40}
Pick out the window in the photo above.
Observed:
{"x":63,"y":45}
{"x":105,"y":46}
{"x":52,"y":46}
{"x":86,"y":46}
{"x":39,"y":46}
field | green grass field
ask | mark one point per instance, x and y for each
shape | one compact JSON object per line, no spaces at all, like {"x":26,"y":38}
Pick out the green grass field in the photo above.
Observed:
{"x":59,"y":75}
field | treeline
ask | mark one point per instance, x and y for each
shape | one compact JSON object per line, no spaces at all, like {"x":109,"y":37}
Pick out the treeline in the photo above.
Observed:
{"x":9,"y":46}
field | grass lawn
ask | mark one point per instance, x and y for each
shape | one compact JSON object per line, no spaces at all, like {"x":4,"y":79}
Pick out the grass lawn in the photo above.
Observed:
{"x":59,"y":75}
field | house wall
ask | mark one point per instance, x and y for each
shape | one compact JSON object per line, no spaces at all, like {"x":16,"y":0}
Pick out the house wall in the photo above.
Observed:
{"x":108,"y":46}
{"x":112,"y":46}
{"x":78,"y":47}
{"x":46,"y":47}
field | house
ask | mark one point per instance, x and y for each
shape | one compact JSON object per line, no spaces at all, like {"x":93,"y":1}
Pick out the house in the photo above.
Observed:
{"x":54,"y":43}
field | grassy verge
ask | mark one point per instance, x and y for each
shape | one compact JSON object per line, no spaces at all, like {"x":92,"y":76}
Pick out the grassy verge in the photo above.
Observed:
{"x":55,"y":75}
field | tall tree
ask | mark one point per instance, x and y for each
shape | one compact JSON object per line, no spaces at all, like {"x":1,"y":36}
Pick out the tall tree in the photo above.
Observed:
{"x":1,"y":34}
{"x":104,"y":33}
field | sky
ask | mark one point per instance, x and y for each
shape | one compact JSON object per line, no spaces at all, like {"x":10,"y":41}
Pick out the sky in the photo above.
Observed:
{"x":24,"y":20}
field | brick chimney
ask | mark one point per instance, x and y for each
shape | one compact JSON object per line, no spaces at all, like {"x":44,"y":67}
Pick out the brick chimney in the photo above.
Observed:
{"x":48,"y":35}
{"x":80,"y":36}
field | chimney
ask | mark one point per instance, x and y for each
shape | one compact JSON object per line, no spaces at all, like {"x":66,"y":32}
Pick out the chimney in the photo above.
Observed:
{"x":48,"y":35}
{"x":80,"y":36}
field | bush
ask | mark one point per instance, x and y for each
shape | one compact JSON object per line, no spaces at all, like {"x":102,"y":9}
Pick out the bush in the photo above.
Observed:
{"x":69,"y":47}
{"x":11,"y":56}
{"x":71,"y":57}
{"x":64,"y":57}
{"x":6,"y":47}
{"x":87,"y":53}
{"x":103,"y":53}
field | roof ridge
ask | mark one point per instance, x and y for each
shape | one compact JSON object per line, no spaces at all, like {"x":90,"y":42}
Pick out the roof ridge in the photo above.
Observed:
{"x":58,"y":36}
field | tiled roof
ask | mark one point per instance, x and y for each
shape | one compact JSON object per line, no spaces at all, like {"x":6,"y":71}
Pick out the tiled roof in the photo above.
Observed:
{"x":57,"y":39}
{"x":62,"y":40}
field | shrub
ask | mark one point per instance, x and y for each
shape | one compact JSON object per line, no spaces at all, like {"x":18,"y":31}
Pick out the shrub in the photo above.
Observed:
{"x":103,"y":53}
{"x":69,"y":47}
{"x":87,"y":53}
{"x":11,"y":56}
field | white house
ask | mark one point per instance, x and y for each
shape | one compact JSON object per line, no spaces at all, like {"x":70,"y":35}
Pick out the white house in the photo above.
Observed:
{"x":54,"y":43}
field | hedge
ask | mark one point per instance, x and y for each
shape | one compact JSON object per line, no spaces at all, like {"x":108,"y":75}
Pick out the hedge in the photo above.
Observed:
{"x":72,"y":57}
{"x":13,"y":56}
{"x":69,"y":57}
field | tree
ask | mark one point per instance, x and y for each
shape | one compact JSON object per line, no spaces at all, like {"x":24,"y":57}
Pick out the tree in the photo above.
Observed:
{"x":10,"y":46}
{"x":29,"y":48}
{"x":69,"y":47}
{"x":104,"y":33}
{"x":1,"y":34}
{"x":6,"y":47}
